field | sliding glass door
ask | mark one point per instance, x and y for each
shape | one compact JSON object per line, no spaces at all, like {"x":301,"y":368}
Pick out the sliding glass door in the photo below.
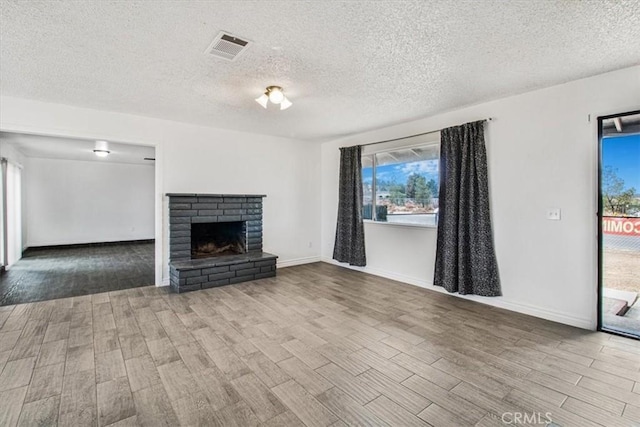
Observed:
{"x":14,"y":214}
{"x":11,"y":213}
{"x":619,"y":223}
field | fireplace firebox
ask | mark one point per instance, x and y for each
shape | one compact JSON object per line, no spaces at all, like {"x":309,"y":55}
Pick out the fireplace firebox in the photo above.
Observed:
{"x":211,"y":239}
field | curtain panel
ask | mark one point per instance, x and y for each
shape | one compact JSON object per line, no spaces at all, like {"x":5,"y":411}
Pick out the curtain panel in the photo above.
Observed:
{"x":349,"y":243}
{"x":465,"y":256}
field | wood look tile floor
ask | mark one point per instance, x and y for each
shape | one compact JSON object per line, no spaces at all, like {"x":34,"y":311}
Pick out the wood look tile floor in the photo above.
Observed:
{"x":318,"y":345}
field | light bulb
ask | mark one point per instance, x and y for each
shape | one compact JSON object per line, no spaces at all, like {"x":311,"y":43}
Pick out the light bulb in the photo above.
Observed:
{"x":275,"y":95}
{"x":101,"y":149}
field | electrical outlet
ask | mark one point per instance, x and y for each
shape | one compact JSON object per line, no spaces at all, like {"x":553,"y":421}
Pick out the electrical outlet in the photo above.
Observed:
{"x":553,"y":214}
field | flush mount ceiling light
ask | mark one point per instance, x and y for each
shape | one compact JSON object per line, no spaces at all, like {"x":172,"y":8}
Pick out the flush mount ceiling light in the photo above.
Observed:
{"x":101,"y":149}
{"x":275,"y":94}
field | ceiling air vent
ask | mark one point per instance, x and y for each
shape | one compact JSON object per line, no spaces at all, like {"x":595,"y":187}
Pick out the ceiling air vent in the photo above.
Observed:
{"x":227,"y":46}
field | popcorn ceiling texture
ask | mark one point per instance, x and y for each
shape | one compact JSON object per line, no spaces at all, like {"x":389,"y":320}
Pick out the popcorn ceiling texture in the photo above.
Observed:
{"x":348,"y":67}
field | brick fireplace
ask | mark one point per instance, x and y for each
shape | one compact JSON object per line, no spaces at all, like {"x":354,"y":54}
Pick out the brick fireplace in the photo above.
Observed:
{"x":216,"y":240}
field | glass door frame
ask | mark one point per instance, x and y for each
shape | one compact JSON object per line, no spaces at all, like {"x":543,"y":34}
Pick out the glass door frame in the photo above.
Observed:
{"x":600,"y":213}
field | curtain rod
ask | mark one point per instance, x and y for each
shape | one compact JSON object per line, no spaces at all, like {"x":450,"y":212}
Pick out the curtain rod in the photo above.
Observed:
{"x":488,"y":119}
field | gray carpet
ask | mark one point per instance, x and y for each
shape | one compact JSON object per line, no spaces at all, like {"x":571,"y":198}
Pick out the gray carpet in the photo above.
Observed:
{"x":45,"y":274}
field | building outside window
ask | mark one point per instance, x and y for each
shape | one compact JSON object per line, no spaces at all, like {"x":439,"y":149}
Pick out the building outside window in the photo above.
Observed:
{"x":401,"y":183}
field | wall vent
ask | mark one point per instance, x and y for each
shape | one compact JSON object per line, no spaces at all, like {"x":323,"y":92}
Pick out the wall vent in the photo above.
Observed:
{"x":227,"y":46}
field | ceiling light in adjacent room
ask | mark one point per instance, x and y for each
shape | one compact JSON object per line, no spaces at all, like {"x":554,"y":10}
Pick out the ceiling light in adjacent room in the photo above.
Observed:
{"x":275,"y":94}
{"x":101,"y":149}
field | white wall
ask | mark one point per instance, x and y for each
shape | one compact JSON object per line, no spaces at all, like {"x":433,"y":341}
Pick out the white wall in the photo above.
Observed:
{"x":286,"y":171}
{"x":542,"y":152}
{"x":72,"y":201}
{"x":201,"y":159}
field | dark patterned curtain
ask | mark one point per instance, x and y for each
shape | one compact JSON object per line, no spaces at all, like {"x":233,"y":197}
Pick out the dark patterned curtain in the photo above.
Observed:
{"x":349,"y":244}
{"x":465,"y":257}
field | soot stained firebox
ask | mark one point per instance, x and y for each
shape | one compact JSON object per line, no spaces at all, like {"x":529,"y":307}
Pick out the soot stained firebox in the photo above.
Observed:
{"x":211,"y":239}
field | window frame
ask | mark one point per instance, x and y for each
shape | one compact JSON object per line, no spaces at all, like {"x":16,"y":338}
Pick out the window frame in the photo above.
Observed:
{"x":374,"y":163}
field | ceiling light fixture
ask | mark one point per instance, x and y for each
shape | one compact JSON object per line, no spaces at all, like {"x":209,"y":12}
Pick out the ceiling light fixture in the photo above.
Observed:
{"x":101,"y":149}
{"x":275,"y":94}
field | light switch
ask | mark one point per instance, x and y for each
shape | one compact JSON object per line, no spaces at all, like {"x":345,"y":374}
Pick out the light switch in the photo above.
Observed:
{"x":553,"y":214}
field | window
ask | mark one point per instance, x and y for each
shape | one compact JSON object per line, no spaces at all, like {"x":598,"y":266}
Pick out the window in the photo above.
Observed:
{"x":401,"y":184}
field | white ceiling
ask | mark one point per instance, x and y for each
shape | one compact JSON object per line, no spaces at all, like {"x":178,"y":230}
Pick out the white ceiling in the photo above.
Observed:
{"x":347,"y":66}
{"x":76,"y":149}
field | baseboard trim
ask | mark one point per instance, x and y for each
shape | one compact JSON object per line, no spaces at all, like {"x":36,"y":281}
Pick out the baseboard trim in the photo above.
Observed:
{"x":89,"y":245}
{"x":165,"y":282}
{"x":499,"y":302}
{"x":297,"y":261}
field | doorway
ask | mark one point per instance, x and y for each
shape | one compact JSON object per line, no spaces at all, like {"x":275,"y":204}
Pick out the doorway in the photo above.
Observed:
{"x":619,"y":224}
{"x":78,"y":217}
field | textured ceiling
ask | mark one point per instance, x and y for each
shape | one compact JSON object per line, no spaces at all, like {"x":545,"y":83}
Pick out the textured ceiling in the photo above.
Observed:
{"x":76,"y":149}
{"x":347,"y":66}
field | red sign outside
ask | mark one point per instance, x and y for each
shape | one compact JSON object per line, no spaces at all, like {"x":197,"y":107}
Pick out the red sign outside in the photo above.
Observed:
{"x":621,"y":226}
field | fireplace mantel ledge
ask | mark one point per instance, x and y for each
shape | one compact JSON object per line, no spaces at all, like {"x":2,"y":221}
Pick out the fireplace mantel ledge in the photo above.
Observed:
{"x":222,"y":260}
{"x":212,"y":195}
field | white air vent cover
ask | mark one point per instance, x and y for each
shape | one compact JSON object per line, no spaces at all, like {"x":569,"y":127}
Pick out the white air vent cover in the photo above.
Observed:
{"x":227,"y":46}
